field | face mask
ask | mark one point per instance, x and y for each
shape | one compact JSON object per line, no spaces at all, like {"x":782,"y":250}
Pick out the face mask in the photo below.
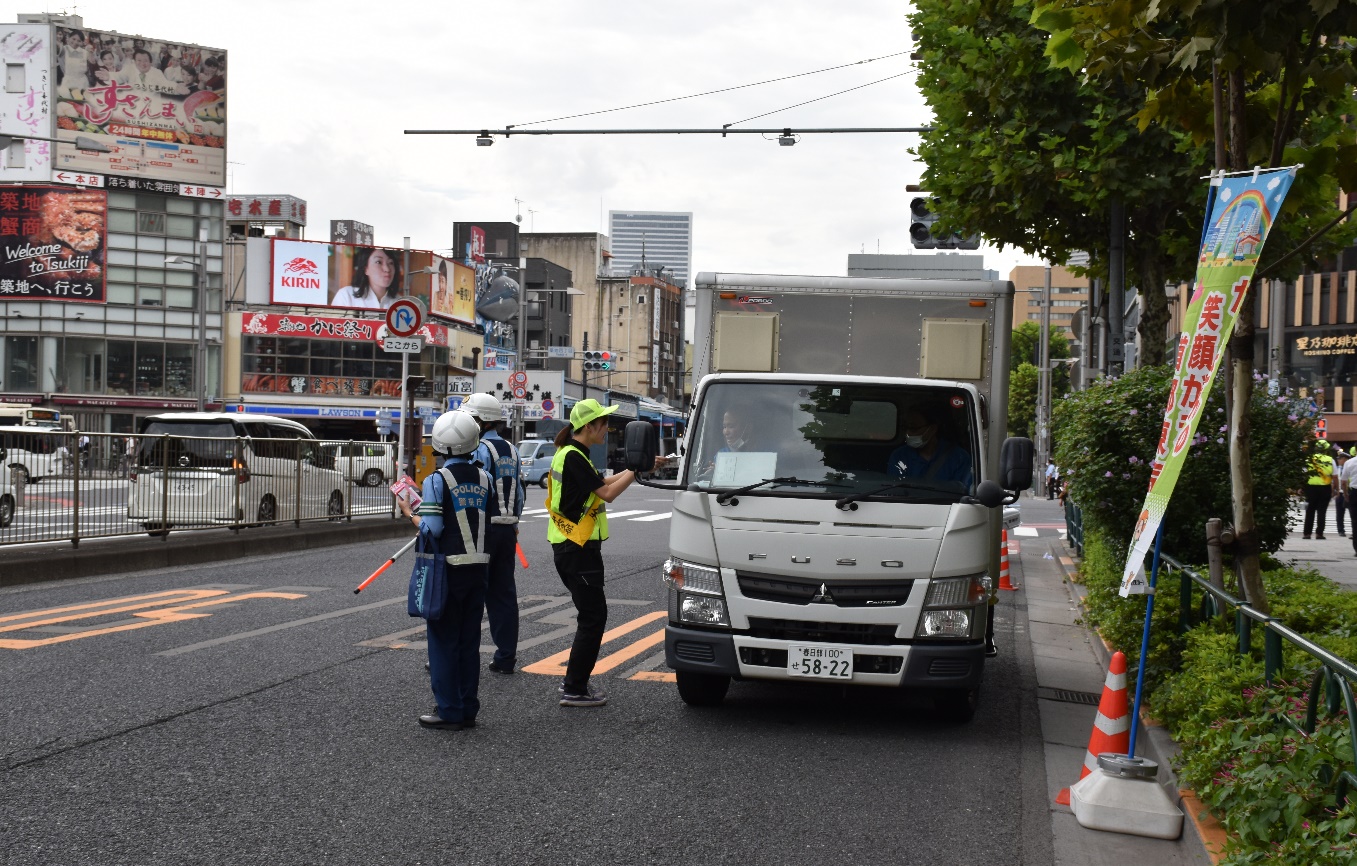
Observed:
{"x":914,"y":441}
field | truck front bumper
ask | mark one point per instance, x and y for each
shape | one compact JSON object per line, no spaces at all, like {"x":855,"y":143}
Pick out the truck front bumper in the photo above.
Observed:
{"x":918,"y":665}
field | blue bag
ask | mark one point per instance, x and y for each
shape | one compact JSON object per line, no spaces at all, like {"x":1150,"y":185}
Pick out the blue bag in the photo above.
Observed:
{"x":428,"y":579}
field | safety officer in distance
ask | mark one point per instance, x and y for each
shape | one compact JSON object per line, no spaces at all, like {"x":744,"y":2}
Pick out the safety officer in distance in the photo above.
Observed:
{"x":499,"y":458}
{"x":457,"y":510}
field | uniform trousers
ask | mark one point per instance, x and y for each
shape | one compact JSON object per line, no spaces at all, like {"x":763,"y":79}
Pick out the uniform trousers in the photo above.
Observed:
{"x":581,"y":570}
{"x":1316,"y":506}
{"x":455,"y":645}
{"x":501,"y":593}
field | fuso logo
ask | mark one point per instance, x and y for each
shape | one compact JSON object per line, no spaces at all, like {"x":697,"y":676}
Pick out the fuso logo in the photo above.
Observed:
{"x":300,"y":265}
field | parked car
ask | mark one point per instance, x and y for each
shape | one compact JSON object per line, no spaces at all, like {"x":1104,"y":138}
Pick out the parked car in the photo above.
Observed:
{"x":34,"y":450}
{"x":368,"y":463}
{"x":534,"y":457}
{"x":217,"y":468}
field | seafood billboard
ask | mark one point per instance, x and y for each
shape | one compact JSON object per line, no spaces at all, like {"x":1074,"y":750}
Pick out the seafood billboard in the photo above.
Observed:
{"x":52,"y":243}
{"x":160,"y":107}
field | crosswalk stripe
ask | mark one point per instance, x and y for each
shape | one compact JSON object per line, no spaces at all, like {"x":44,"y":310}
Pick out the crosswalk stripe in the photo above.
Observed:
{"x":528,"y":511}
{"x":555,"y":664}
{"x":620,"y":514}
{"x":665,"y":516}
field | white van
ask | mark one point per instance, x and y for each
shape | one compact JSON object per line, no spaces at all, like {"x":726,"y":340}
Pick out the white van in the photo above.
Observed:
{"x":203,"y":468}
{"x":34,"y":450}
{"x":368,"y":463}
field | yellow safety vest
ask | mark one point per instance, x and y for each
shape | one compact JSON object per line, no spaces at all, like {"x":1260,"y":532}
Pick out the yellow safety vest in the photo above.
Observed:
{"x":1321,"y":470}
{"x":592,"y":526}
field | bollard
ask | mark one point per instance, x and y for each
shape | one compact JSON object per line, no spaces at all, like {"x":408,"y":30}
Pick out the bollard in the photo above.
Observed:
{"x":20,"y":482}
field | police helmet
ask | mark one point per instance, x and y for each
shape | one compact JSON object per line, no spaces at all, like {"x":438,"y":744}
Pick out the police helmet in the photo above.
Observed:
{"x":484,"y":407}
{"x":456,"y":433}
{"x":1322,"y":444}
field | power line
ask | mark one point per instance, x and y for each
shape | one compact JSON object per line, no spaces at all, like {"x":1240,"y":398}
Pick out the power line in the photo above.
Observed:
{"x":710,"y":92}
{"x":818,"y":99}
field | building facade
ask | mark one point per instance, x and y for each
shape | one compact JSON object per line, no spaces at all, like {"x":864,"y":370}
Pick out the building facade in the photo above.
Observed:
{"x":654,"y":241}
{"x":1069,"y":294}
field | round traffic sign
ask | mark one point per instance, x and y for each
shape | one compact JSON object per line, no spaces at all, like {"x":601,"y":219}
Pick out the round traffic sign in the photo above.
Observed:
{"x":520,"y":393}
{"x":404,"y":317}
{"x":519,"y":378}
{"x":548,"y":405}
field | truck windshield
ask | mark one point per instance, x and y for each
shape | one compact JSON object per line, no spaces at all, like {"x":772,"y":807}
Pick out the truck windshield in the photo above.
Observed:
{"x":894,"y":442}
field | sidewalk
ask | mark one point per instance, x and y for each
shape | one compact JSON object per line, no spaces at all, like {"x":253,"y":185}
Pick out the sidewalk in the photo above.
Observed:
{"x":1071,"y":665}
{"x":1333,"y":557}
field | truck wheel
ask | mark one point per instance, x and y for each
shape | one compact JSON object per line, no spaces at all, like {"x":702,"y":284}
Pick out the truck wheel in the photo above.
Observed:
{"x":335,"y":507}
{"x":6,"y":510}
{"x":372,"y":477}
{"x":956,"y":705}
{"x":702,"y":690}
{"x":155,"y":530}
{"x":268,"y":510}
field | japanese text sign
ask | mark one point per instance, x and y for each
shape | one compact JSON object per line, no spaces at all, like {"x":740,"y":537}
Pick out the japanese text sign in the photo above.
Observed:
{"x":52,"y":243}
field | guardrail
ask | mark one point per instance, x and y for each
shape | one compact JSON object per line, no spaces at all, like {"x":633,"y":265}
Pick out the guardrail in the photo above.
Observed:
{"x":1074,"y":526}
{"x":1333,"y":680}
{"x":63,"y":486}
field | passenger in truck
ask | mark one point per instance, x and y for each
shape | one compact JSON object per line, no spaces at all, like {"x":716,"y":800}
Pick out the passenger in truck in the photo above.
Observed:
{"x":926,"y":455}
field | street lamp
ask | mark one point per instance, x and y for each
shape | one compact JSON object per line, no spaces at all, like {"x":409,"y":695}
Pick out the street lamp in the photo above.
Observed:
{"x":82,"y":142}
{"x":199,"y":263}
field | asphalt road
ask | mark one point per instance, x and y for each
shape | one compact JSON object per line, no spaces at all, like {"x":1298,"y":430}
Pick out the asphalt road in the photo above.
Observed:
{"x":275,"y":722}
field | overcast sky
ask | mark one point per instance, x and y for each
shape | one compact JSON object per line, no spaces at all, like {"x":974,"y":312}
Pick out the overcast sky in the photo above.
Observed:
{"x":319,"y":93}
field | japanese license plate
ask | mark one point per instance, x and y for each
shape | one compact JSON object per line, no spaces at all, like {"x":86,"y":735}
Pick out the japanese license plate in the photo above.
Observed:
{"x":820,"y":662}
{"x":185,"y":487}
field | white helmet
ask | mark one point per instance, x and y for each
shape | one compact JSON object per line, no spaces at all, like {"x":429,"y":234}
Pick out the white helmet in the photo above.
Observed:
{"x":456,"y":433}
{"x":484,"y":406}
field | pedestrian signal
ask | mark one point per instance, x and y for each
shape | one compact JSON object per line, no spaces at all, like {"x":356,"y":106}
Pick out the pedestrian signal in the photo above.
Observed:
{"x":598,"y":360}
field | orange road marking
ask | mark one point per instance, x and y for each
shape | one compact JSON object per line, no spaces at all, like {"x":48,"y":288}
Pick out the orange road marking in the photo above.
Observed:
{"x":556,"y":664}
{"x":655,"y":677}
{"x":156,"y":616}
{"x":103,"y":608}
{"x":606,"y":664}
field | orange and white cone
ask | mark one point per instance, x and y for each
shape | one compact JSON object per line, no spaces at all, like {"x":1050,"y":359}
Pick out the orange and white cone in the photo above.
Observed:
{"x":1005,"y":582}
{"x":1112,"y":727}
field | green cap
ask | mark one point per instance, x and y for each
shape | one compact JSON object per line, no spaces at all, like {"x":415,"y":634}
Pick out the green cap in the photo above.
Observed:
{"x":588,"y":410}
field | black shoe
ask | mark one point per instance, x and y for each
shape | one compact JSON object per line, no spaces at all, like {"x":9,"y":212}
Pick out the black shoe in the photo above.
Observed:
{"x":1319,"y":537}
{"x":1306,"y":536}
{"x":501,"y":668}
{"x":434,"y":720}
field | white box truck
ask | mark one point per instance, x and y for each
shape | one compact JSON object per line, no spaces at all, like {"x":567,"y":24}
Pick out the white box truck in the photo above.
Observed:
{"x":836,"y":513}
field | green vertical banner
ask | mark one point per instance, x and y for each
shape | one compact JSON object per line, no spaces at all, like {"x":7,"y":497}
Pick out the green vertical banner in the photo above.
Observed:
{"x":1239,"y":215}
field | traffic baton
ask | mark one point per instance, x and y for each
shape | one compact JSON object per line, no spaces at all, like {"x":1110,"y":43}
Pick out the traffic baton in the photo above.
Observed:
{"x":521,"y":557}
{"x":395,"y":556}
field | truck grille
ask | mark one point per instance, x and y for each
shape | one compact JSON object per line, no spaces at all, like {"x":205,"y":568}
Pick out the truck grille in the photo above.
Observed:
{"x":843,"y":594}
{"x":822,"y":632}
{"x":695,"y":652}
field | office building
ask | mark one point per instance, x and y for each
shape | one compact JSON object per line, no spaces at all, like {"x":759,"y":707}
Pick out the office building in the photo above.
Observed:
{"x":656,"y":241}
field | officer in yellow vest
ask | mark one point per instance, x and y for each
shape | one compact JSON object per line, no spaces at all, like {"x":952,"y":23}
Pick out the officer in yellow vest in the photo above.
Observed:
{"x":577,"y":526}
{"x":1318,"y":488}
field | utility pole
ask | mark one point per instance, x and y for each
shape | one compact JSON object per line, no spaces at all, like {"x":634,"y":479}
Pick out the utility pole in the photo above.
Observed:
{"x":1044,"y":387}
{"x":1116,"y":290}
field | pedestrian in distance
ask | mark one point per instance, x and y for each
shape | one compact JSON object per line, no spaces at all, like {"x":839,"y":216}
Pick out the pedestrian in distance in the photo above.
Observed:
{"x":577,"y":527}
{"x":1347,"y":478}
{"x":1339,"y":494}
{"x":499,"y":459}
{"x":1052,"y":474}
{"x":1318,"y":488}
{"x":456,"y":511}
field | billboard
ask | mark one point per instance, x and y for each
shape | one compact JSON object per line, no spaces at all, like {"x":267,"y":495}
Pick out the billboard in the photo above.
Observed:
{"x":159,"y":106}
{"x":345,"y":276}
{"x":266,"y":208}
{"x":453,"y":292}
{"x":52,"y":243}
{"x":351,"y":232}
{"x":26,"y":99}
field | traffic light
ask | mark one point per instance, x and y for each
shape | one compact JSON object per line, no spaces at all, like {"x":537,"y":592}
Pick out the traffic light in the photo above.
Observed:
{"x":923,"y":235}
{"x":598,"y":360}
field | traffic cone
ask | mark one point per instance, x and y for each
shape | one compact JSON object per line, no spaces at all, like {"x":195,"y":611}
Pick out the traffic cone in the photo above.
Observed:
{"x":1112,"y":727}
{"x":1004,"y":581}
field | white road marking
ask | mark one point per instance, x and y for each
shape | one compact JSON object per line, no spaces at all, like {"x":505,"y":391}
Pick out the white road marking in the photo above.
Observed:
{"x":620,"y":514}
{"x":664,"y":516}
{"x":1024,"y":531}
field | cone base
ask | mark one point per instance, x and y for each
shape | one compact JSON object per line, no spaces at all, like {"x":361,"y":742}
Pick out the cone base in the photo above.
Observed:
{"x":1117,"y":804}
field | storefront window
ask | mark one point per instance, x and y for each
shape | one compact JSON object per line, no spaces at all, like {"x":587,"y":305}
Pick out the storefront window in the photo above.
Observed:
{"x":150,"y":369}
{"x":82,"y":366}
{"x":22,"y":366}
{"x":179,"y":370}
{"x":121,"y":361}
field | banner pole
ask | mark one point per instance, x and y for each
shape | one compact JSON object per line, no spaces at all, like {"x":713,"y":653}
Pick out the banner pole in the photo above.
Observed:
{"x":1145,"y":640}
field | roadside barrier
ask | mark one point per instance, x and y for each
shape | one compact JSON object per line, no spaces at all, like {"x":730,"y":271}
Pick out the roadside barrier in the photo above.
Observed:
{"x":1330,"y":686}
{"x":1111,"y":727}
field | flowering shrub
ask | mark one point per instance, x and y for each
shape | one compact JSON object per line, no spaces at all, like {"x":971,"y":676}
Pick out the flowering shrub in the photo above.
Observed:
{"x":1106,"y":438}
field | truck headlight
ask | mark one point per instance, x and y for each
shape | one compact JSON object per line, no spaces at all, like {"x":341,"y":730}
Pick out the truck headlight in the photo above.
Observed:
{"x":703,"y":610}
{"x":687,"y":577}
{"x":949,"y":607}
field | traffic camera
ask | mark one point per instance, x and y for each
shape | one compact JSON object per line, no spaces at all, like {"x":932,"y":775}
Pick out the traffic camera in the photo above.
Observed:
{"x":598,"y":360}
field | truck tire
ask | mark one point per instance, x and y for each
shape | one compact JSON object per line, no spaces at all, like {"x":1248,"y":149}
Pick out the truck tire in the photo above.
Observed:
{"x":956,"y":705}
{"x":6,"y":510}
{"x":702,"y":690}
{"x":372,"y":477}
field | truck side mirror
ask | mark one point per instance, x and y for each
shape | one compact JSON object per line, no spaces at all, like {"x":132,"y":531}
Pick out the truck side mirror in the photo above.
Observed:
{"x":1015,"y":464}
{"x":641,"y":442}
{"x":990,"y":494}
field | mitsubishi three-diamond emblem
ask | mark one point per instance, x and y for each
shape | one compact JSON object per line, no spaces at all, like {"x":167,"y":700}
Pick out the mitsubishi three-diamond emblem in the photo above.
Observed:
{"x":823,"y":595}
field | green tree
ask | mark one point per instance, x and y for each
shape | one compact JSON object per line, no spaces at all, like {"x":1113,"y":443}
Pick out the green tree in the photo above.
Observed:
{"x":1026,"y":344}
{"x":1032,"y":158}
{"x":1270,"y":83}
{"x":1022,"y":400}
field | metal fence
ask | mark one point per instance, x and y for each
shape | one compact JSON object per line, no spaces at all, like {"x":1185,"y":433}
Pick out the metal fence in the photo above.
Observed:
{"x":1331,"y":683}
{"x":1074,"y":526}
{"x":61,"y":486}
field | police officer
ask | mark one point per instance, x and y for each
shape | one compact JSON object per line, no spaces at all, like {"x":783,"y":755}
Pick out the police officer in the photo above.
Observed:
{"x":499,"y":458}
{"x":1318,"y":488}
{"x":456,"y":510}
{"x":577,"y":526}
